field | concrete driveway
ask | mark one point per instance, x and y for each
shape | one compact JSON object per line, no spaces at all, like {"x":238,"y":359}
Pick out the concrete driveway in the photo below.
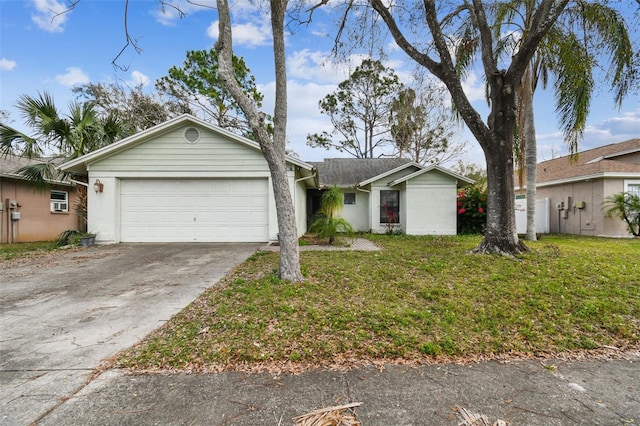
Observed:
{"x":63,"y":313}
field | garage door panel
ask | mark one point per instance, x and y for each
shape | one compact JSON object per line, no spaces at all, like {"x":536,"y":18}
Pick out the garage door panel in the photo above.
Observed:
{"x":183,"y":210}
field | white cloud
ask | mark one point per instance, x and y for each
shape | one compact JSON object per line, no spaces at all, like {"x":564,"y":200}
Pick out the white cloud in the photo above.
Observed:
{"x":610,"y":130}
{"x":50,"y":15}
{"x":74,"y":76}
{"x":170,"y":11}
{"x":474,"y":88}
{"x":248,"y":34}
{"x":138,"y":79}
{"x":625,"y":125}
{"x":7,"y":65}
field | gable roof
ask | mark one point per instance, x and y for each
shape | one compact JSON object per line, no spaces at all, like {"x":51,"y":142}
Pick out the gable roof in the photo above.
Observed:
{"x":349,"y":172}
{"x":79,"y":165}
{"x":615,"y":160}
{"x":430,"y":168}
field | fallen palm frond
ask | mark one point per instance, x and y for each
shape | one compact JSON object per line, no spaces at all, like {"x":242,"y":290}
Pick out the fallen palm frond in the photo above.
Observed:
{"x":341,"y":415}
{"x":470,"y":418}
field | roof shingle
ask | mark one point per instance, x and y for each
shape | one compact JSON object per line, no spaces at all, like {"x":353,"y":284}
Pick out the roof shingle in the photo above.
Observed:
{"x":347,"y":172}
{"x":623,"y":157}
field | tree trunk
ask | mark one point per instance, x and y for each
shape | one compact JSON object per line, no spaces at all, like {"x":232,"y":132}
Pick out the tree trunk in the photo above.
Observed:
{"x":531,"y":161}
{"x":289,"y":269}
{"x":273,"y":147}
{"x":500,"y":233}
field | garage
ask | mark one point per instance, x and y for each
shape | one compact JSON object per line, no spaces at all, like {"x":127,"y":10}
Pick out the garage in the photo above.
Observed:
{"x":186,"y":180}
{"x":194,"y":210}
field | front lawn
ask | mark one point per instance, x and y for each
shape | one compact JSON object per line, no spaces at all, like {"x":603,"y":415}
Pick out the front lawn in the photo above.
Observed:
{"x":420,"y":299}
{"x":11,"y":251}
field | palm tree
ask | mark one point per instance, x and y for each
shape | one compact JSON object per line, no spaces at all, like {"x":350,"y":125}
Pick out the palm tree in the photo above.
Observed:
{"x":65,"y":137}
{"x":326,"y":224}
{"x":583,"y":34}
{"x":626,"y":206}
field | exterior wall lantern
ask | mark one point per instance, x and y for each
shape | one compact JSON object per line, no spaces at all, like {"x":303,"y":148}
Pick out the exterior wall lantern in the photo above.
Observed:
{"x":98,"y":186}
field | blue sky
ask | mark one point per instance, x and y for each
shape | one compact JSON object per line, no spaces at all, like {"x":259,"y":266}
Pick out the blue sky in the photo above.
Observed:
{"x":41,"y":52}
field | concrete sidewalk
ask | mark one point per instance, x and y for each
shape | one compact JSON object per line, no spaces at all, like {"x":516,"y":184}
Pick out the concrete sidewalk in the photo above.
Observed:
{"x":602,"y":392}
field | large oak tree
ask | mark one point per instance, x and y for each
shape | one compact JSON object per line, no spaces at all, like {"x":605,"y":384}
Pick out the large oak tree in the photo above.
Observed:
{"x":496,"y":134}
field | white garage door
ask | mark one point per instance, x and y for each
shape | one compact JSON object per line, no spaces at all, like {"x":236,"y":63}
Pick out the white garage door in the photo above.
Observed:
{"x":194,"y":210}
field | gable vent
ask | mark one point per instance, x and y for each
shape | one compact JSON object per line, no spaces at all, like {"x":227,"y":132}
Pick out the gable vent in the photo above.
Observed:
{"x":191,"y":135}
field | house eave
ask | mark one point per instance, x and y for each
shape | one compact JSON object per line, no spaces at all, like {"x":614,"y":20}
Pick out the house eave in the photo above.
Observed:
{"x":601,"y":175}
{"x":614,"y":155}
{"x":389,"y":173}
{"x":428,"y":169}
{"x":22,"y":179}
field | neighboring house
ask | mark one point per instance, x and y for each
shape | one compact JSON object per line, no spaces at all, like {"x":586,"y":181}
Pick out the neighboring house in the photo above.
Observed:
{"x":384,"y":194}
{"x":576,"y":190}
{"x":30,"y":215}
{"x":186,"y":180}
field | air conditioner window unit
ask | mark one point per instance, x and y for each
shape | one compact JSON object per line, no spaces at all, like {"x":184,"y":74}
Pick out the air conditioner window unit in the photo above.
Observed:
{"x":58,"y":206}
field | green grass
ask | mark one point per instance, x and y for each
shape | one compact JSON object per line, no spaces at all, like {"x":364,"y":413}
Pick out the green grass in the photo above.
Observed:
{"x":420,"y":298}
{"x":11,"y":251}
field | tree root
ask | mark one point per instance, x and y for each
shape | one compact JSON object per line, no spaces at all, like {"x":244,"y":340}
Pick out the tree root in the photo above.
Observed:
{"x":501,"y":248}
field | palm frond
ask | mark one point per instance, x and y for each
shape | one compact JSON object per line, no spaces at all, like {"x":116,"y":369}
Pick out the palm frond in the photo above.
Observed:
{"x":573,"y":72}
{"x":14,"y":142}
{"x":39,"y":175}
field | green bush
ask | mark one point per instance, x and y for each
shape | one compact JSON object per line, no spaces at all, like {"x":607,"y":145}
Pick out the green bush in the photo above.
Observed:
{"x":472,"y":210}
{"x":326,"y":225}
{"x":626,"y":206}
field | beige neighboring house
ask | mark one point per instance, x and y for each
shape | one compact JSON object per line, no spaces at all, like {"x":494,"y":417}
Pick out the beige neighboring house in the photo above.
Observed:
{"x":30,"y":215}
{"x":577,"y":190}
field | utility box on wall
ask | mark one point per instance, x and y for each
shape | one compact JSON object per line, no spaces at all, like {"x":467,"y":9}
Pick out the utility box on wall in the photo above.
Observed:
{"x":15,"y":215}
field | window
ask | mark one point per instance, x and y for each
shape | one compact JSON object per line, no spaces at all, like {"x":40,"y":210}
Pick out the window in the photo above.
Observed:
{"x":59,"y":201}
{"x":349,"y":198}
{"x":632,"y":186}
{"x":389,"y":206}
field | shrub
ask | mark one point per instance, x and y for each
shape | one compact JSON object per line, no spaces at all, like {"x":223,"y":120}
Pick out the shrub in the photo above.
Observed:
{"x":626,"y":206}
{"x":326,"y":225}
{"x":472,"y":210}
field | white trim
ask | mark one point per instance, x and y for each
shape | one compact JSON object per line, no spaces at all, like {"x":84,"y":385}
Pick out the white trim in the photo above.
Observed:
{"x":614,"y":155}
{"x":601,"y":175}
{"x":180,"y":174}
{"x":389,"y":172}
{"x":629,"y":182}
{"x":59,"y":206}
{"x":428,"y":169}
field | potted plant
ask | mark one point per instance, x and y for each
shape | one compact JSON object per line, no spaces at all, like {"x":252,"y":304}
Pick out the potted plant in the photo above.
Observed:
{"x":72,"y":237}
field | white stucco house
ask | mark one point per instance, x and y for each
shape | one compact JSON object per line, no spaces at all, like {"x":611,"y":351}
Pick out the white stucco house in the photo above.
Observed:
{"x":392,"y":193}
{"x":187,"y":180}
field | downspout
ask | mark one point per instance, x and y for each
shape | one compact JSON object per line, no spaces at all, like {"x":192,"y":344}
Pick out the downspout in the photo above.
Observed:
{"x":295,"y":191}
{"x":77,"y":182}
{"x":296,"y":184}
